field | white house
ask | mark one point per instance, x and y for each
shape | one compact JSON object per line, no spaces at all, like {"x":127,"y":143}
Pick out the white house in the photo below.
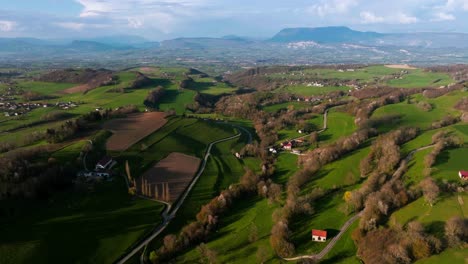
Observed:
{"x":319,"y":235}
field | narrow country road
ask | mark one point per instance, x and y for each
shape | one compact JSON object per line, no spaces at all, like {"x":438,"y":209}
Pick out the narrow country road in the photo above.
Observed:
{"x":348,"y":223}
{"x":171,"y":211}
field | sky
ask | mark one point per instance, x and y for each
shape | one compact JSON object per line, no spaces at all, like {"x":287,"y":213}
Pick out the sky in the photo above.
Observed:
{"x":166,"y":19}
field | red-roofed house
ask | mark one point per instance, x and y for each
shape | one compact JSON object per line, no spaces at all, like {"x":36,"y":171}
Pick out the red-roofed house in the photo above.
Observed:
{"x":319,"y":235}
{"x":104,"y":163}
{"x":287,"y":145}
{"x":463,"y":175}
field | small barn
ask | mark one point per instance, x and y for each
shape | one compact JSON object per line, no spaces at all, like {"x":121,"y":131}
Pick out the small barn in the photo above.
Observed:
{"x":463,"y":175}
{"x":319,"y":235}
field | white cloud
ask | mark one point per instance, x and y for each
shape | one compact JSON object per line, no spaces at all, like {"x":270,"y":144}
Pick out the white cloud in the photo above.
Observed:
{"x":397,"y":18}
{"x":325,"y":7}
{"x":402,"y":18}
{"x":71,"y":25}
{"x":370,"y":18}
{"x":453,"y":5}
{"x":163,"y":15}
{"x":442,"y":16}
{"x":7,"y":26}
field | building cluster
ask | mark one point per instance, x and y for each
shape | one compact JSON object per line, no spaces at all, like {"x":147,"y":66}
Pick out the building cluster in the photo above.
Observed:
{"x":11,"y":108}
{"x":102,"y":171}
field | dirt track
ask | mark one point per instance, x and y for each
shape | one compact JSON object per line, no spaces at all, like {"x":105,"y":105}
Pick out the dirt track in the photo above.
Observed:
{"x":128,"y":131}
{"x":172,"y":174}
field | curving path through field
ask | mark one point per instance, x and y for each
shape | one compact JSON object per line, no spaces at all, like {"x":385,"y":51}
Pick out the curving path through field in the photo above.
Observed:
{"x":171,"y":211}
{"x":350,"y":221}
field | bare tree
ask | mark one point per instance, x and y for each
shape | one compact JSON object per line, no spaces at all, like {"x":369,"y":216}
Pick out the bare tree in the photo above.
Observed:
{"x":456,"y":231}
{"x":430,"y":190}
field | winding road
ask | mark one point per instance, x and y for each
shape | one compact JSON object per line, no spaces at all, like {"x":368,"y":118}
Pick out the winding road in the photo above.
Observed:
{"x":350,"y":221}
{"x":171,"y":211}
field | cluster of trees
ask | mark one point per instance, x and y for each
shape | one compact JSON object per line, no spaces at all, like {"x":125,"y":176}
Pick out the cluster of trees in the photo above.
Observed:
{"x":24,"y":174}
{"x":438,"y":92}
{"x":397,"y":244}
{"x":154,"y":96}
{"x":378,"y":167}
{"x":409,"y":244}
{"x":462,"y":104}
{"x":446,"y":121}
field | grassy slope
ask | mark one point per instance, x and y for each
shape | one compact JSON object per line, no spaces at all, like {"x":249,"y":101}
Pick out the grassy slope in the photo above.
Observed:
{"x":78,"y":227}
{"x":339,"y":124}
{"x":420,"y":78}
{"x":231,"y":239}
{"x":416,"y":117}
{"x":432,"y":217}
{"x":447,"y":256}
{"x":305,"y":90}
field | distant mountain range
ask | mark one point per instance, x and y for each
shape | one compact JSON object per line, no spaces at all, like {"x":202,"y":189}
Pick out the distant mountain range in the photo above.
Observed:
{"x":290,"y":46}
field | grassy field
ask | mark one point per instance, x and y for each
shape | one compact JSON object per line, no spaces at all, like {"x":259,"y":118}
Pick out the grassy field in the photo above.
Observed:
{"x":211,"y":87}
{"x":447,"y":256}
{"x":341,"y":173}
{"x":420,"y":78}
{"x":329,"y":214}
{"x":284,"y":106}
{"x":366,"y":74}
{"x":415,"y":167}
{"x":231,"y":239}
{"x":76,"y":227}
{"x":449,"y":163}
{"x":432,"y":217}
{"x":339,"y":124}
{"x":45,"y":88}
{"x":305,"y":90}
{"x":414,"y":116}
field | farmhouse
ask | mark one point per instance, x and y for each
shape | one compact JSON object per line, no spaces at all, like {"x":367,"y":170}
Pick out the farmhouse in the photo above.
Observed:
{"x":287,"y":145}
{"x":104,"y":163}
{"x":463,"y":175}
{"x":319,"y":235}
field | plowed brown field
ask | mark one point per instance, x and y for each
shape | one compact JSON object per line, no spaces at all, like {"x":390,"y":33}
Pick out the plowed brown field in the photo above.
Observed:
{"x":128,"y":131}
{"x":168,"y":179}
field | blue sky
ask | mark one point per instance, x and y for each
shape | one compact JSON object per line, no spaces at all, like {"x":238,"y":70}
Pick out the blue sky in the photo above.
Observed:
{"x":163,"y":19}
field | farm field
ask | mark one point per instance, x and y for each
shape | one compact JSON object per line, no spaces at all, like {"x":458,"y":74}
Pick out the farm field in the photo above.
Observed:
{"x":169,"y":177}
{"x":128,"y":131}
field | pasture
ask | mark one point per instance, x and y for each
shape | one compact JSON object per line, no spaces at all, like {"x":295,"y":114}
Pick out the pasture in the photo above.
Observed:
{"x":432,"y":217}
{"x":449,"y":163}
{"x":231,"y":240}
{"x":305,"y":90}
